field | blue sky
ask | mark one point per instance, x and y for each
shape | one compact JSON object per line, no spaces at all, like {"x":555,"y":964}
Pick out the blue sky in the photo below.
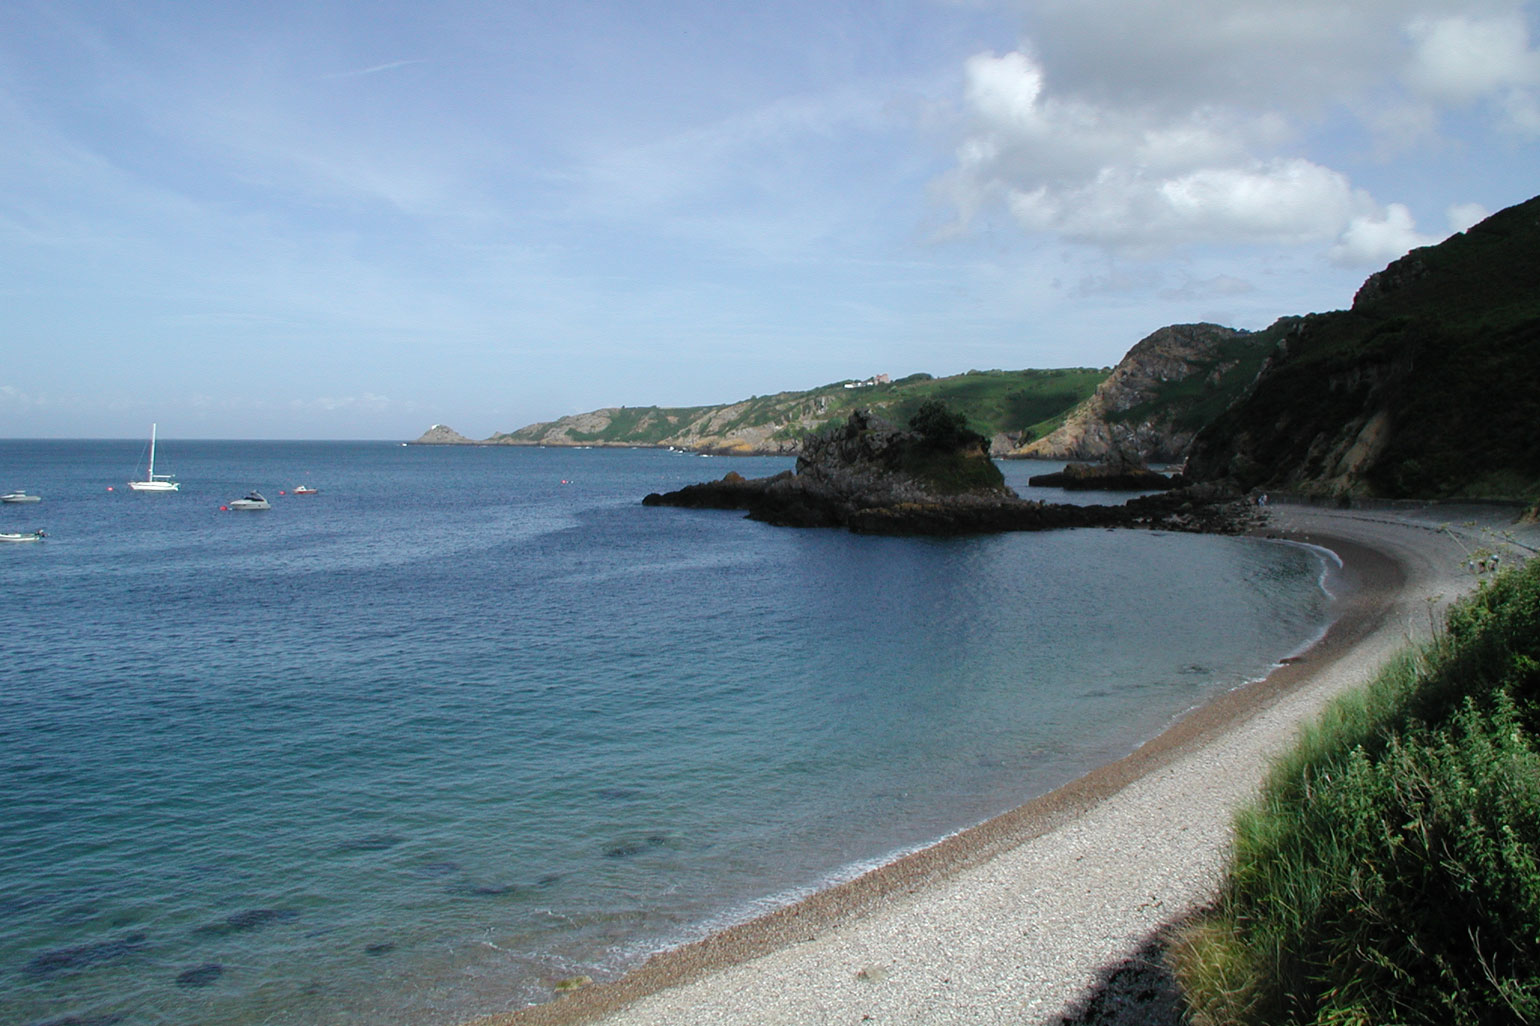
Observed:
{"x":337,"y":219}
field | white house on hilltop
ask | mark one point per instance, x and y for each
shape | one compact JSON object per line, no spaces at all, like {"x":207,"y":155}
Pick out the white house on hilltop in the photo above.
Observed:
{"x":875,"y":379}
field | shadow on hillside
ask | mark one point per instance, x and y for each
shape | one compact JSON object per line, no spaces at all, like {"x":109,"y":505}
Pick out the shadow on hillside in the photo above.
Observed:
{"x":1135,"y":991}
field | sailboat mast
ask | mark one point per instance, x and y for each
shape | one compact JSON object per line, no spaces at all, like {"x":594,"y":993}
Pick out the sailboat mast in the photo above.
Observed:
{"x":151,"y":474}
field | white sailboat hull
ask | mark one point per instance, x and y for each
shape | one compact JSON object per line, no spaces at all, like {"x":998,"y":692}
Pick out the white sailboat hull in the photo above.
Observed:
{"x":154,"y":482}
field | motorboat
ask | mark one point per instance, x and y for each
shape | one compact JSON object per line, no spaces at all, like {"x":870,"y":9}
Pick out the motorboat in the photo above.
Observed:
{"x":20,"y":497}
{"x":21,"y":536}
{"x":154,"y":482}
{"x":251,"y":500}
{"x":306,"y":490}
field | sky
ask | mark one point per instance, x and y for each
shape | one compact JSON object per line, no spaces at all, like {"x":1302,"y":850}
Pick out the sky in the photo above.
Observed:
{"x":346,"y":219}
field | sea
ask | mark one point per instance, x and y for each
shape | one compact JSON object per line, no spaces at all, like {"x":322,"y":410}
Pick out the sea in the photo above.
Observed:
{"x":472,"y":722}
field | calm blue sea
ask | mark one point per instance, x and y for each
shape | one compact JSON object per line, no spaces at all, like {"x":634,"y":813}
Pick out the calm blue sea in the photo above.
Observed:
{"x":473,"y":720}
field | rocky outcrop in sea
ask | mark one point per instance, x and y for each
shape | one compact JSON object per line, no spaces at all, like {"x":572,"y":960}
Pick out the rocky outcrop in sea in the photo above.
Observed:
{"x":440,"y":434}
{"x":873,"y":478}
{"x":1116,"y":475}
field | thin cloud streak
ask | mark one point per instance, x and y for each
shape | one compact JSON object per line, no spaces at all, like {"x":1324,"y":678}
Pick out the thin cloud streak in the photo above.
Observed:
{"x":376,"y":69}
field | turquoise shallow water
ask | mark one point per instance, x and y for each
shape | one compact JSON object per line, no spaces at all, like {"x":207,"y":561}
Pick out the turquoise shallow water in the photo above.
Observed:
{"x":473,"y":720}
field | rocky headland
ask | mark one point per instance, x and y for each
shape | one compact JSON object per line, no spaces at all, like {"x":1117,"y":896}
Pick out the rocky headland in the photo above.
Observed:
{"x":933,"y":478}
{"x":1158,"y":396}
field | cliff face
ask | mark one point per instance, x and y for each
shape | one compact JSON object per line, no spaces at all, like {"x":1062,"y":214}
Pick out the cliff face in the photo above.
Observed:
{"x":1429,"y":386}
{"x":1158,"y":397}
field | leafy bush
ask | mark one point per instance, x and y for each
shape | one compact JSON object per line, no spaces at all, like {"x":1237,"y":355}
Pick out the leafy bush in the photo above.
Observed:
{"x":1390,"y":872}
{"x":945,"y":430}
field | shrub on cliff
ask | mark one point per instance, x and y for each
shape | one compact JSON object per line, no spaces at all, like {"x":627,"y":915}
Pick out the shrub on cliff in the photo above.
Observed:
{"x":1390,"y":871}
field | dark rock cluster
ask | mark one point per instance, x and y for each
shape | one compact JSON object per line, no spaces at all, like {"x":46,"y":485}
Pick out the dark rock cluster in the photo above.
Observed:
{"x":861,"y":477}
{"x":1113,"y":476}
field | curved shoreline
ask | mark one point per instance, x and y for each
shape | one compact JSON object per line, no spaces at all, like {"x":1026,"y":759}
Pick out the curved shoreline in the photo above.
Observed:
{"x":1010,"y":921}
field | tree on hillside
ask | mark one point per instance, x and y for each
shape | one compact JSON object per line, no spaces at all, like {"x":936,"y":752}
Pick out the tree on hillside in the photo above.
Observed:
{"x":943,"y":428}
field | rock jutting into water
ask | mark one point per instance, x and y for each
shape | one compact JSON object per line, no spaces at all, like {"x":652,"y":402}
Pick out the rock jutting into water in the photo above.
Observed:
{"x":875,"y":478}
{"x":1120,"y":474}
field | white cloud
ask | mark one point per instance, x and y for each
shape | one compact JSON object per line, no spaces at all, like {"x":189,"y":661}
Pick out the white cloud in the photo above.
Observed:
{"x":12,"y":397}
{"x":1378,"y":239}
{"x":1459,"y":60}
{"x":1282,"y":201}
{"x":1137,"y":128}
{"x":1133,"y":178}
{"x":375,"y":69}
{"x":1464,"y":215}
{"x":331,"y":404}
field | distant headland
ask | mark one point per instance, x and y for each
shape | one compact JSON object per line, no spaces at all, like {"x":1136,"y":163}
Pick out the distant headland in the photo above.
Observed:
{"x":1428,"y":386}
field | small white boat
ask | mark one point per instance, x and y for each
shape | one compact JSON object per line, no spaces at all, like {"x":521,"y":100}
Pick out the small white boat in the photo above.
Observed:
{"x":251,"y":500}
{"x":154,"y":482}
{"x":20,"y":536}
{"x":306,"y":490}
{"x":20,"y":497}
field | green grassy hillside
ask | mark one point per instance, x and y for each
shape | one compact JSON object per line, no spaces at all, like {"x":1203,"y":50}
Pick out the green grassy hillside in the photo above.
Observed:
{"x":1017,"y":403}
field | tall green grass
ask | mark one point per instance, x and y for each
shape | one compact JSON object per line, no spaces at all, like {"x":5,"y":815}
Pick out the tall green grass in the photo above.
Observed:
{"x":1390,"y":870}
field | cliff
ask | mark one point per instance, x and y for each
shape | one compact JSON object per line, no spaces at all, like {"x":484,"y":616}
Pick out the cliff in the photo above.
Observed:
{"x":1161,"y":393}
{"x":1428,"y":386}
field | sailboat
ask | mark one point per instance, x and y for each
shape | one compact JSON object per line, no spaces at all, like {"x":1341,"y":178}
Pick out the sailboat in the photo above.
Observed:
{"x":154,"y":482}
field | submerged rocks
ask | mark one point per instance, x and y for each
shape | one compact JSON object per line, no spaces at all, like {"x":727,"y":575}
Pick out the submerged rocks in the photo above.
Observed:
{"x":200,"y":976}
{"x":249,"y":919}
{"x":63,"y":960}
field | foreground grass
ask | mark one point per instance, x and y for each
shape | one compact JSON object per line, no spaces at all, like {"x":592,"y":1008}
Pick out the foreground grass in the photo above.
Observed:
{"x":1390,"y":871}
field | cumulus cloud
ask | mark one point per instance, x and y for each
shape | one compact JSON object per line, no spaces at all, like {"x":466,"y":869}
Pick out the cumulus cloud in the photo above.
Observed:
{"x":1138,"y":128}
{"x":1129,"y":178}
{"x":1458,"y":60}
{"x":1378,"y":238}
